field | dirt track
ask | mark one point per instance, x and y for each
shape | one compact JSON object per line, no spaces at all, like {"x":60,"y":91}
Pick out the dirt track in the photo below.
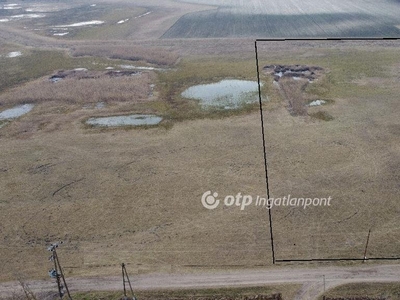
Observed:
{"x":310,"y":278}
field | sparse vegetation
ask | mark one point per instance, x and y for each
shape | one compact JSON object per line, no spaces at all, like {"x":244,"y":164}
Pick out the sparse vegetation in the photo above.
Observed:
{"x":321,"y":115}
{"x":244,"y":293}
{"x":134,"y":53}
{"x":74,"y":90}
{"x":390,"y":291}
{"x":134,"y":195}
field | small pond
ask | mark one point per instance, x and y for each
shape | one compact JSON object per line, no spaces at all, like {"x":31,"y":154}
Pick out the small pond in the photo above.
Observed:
{"x":16,"y":111}
{"x":317,"y":103}
{"x":129,"y":120}
{"x":227,"y":94}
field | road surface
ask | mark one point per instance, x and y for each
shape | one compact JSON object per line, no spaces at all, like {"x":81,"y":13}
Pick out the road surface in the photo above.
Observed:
{"x":311,"y":280}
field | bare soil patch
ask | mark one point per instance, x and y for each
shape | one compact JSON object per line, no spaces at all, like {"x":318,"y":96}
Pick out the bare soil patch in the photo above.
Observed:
{"x":292,"y":81}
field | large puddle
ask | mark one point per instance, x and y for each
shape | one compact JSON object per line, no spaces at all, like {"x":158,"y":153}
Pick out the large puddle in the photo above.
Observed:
{"x":94,"y":22}
{"x":227,"y":94}
{"x":15,"y":112}
{"x":130,"y":120}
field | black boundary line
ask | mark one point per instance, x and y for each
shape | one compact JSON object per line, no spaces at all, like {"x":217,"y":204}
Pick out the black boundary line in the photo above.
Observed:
{"x":337,"y":259}
{"x":328,"y":39}
{"x":265,"y":152}
{"x":274,"y":260}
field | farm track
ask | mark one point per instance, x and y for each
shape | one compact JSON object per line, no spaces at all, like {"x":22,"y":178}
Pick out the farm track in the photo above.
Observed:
{"x":310,"y":278}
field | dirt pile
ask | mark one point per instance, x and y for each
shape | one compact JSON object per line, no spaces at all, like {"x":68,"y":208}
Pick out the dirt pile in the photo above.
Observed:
{"x":295,"y":71}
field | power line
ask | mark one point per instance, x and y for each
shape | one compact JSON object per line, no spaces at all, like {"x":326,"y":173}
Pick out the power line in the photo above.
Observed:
{"x":57,"y":271}
{"x":125,"y":279}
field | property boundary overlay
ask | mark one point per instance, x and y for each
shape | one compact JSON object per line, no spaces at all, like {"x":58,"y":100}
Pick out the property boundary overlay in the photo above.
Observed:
{"x":273,"y":251}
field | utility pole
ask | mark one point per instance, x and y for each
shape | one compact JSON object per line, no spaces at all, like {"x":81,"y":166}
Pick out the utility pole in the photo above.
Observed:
{"x":57,"y":271}
{"x":366,"y":246}
{"x":324,"y":283}
{"x":125,"y":279}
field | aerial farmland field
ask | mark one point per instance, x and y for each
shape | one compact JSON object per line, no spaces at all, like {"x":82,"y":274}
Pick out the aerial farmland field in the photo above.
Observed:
{"x":121,"y":122}
{"x":289,"y":19}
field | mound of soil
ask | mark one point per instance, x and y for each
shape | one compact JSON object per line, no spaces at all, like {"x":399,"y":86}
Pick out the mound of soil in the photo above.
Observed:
{"x":301,"y":71}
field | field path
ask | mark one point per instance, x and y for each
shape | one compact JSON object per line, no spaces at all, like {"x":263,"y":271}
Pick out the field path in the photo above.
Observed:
{"x":311,"y":278}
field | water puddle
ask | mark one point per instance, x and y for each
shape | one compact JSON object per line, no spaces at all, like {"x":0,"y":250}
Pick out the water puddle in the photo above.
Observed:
{"x":123,"y":21}
{"x":141,"y":68}
{"x":14,"y":54}
{"x":227,"y":94}
{"x":130,"y":120}
{"x":98,"y":105}
{"x":12,"y":6}
{"x":317,"y":103}
{"x":145,"y":14}
{"x":80,"y":24}
{"x":23,"y":16}
{"x":61,"y":33}
{"x":16,"y":111}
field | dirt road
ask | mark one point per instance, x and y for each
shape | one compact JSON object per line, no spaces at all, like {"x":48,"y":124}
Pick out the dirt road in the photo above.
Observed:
{"x":310,"y":278}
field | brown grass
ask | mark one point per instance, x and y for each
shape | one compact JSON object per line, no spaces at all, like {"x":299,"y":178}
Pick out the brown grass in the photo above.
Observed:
{"x":292,"y":91}
{"x":152,"y":55}
{"x":134,"y":196}
{"x":78,"y":90}
{"x":364,"y":291}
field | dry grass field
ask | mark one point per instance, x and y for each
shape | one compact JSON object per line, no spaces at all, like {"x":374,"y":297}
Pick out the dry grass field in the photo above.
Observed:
{"x":133,"y":194}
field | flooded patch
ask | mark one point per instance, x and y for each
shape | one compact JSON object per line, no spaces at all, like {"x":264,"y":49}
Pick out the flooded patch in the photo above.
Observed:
{"x":145,"y":14}
{"x":80,"y":69}
{"x":227,"y":94}
{"x":14,"y":54}
{"x":23,"y":16}
{"x":80,"y":24}
{"x":12,"y":6}
{"x":61,"y":33}
{"x":130,"y":120}
{"x":123,"y":21}
{"x":141,"y":68}
{"x":16,"y":111}
{"x":317,"y":103}
{"x":98,"y":105}
{"x":55,"y":79}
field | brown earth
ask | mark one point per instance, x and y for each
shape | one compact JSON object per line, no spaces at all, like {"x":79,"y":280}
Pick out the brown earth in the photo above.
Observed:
{"x":134,"y":195}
